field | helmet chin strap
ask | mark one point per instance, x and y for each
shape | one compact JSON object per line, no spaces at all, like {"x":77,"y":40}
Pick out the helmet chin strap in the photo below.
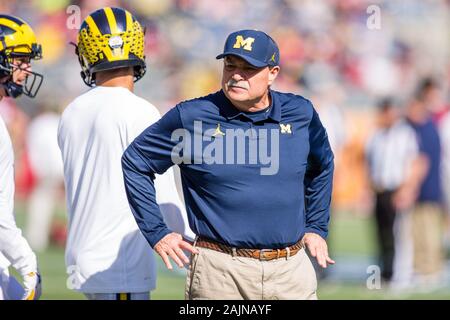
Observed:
{"x":12,"y":89}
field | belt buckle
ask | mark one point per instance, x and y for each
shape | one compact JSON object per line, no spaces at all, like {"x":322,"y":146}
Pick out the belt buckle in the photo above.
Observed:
{"x":261,"y":254}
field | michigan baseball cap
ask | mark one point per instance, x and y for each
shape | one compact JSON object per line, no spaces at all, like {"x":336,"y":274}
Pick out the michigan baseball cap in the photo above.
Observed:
{"x":254,"y":46}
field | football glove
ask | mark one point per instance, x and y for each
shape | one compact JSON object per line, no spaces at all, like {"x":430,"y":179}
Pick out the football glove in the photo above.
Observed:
{"x":32,"y":286}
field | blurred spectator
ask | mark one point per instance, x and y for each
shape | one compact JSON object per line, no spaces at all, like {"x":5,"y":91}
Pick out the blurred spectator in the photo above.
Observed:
{"x":432,"y":96}
{"x":427,"y":216}
{"x":394,"y":168}
{"x":47,"y":168}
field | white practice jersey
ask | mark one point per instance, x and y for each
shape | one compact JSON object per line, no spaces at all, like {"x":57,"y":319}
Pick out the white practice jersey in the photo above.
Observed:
{"x":14,"y":249}
{"x":105,"y":251}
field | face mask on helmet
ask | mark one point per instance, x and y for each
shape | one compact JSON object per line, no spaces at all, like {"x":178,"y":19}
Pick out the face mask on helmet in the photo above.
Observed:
{"x":14,"y":70}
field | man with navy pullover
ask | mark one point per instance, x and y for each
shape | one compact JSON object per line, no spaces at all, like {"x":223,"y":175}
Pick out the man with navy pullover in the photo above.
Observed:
{"x":257,"y":171}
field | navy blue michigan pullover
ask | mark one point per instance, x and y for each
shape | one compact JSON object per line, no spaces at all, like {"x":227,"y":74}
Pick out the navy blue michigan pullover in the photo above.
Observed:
{"x":250,"y":180}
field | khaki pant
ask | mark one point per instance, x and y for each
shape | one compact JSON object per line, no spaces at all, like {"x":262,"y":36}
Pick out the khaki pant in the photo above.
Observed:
{"x":427,"y":228}
{"x":220,"y":276}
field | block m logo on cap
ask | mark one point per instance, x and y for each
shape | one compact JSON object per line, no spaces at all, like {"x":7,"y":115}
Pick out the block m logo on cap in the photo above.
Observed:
{"x":246,"y":43}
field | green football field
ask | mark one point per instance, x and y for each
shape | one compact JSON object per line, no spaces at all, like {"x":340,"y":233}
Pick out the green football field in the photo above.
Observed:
{"x":351,"y":241}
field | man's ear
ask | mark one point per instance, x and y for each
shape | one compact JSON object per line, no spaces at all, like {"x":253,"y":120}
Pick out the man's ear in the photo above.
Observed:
{"x":273,"y":73}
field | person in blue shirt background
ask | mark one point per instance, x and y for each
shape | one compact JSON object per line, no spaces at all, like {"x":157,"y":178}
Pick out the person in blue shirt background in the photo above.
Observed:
{"x":257,"y":171}
{"x":427,"y":215}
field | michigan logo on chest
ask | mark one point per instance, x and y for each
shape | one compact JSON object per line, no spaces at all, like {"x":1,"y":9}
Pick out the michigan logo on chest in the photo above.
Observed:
{"x":286,"y":128}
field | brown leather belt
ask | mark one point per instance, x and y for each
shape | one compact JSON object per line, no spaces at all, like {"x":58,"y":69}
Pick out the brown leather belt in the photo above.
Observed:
{"x":260,"y":254}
